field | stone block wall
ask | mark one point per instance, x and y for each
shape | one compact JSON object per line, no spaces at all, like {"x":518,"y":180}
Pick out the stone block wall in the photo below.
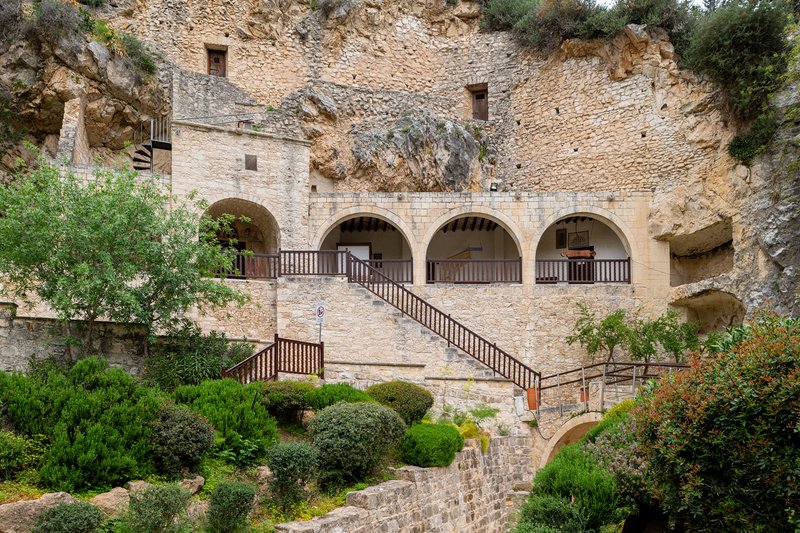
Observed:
{"x":210,"y":160}
{"x":23,"y":338}
{"x":472,"y":495}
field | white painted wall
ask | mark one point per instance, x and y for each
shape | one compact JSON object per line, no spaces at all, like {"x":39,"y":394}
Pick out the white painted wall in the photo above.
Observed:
{"x":606,"y":243}
{"x":496,"y":244}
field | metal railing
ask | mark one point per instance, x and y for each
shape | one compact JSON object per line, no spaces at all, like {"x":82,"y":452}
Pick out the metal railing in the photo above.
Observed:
{"x":584,"y":271}
{"x":443,"y":325}
{"x":572,"y":386}
{"x":157,"y":130}
{"x":283,"y":355}
{"x":474,"y":271}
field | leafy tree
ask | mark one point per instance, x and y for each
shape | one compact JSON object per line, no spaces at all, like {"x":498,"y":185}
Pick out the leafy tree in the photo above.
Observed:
{"x":110,"y":248}
{"x":641,"y":339}
{"x":603,"y":336}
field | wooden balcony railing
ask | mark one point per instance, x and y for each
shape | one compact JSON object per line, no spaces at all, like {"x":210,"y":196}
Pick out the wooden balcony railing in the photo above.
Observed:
{"x":283,"y":355}
{"x":584,"y":271}
{"x":256,"y":266}
{"x":397,"y":270}
{"x":474,"y":271}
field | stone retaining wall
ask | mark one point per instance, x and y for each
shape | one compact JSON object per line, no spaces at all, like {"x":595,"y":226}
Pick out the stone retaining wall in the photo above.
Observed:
{"x":473,"y":494}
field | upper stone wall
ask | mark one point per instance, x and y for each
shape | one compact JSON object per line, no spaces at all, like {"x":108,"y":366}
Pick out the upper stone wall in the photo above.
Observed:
{"x":593,"y":116}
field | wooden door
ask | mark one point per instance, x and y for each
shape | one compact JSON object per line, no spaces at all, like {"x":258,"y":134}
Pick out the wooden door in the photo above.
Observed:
{"x":480,"y":105}
{"x":216,"y":63}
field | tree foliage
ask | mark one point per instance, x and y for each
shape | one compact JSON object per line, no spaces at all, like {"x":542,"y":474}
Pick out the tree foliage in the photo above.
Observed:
{"x":110,"y":248}
{"x":722,"y":438}
{"x":642,"y":339}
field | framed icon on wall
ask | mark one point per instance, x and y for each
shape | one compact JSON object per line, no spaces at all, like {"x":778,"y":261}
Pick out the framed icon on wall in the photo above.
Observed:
{"x":561,"y":238}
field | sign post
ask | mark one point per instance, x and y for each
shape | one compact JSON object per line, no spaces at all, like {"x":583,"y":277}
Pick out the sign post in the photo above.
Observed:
{"x":319,"y":316}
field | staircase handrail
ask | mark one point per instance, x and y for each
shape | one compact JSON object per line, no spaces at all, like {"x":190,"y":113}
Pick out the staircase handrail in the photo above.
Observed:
{"x":618,"y":372}
{"x":283,"y":355}
{"x":442,"y":324}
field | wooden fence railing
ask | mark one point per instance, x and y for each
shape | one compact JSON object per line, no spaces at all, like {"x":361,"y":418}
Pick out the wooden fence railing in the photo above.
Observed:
{"x":441,"y":324}
{"x":572,"y":386}
{"x":583,"y":271}
{"x":283,"y":355}
{"x":397,"y":270}
{"x":474,"y":271}
{"x":256,"y":266}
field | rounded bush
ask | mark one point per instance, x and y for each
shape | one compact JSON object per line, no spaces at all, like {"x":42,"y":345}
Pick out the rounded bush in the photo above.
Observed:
{"x":81,"y":517}
{"x":244,"y":428}
{"x":228,"y":506}
{"x":181,"y":439}
{"x":431,"y":445}
{"x":287,"y":400}
{"x":409,"y":400}
{"x":157,"y":508}
{"x":329,"y":394}
{"x":352,"y":439}
{"x":292,"y":465}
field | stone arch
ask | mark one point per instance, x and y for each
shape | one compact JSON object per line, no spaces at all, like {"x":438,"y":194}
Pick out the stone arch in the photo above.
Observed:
{"x":372,"y":211}
{"x":491,"y":214}
{"x":570,"y":432}
{"x":607,"y":242}
{"x":262,"y":234}
{"x":603,"y":215}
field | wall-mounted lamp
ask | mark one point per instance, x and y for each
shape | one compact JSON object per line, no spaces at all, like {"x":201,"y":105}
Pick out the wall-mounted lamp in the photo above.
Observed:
{"x":493,"y":187}
{"x":610,"y":197}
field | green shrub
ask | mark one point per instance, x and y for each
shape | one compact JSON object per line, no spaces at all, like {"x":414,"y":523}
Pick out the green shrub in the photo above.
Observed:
{"x":613,"y":417}
{"x":409,"y":400}
{"x":746,"y":145}
{"x":12,"y":455}
{"x":721,"y":438}
{"x":352,"y":439}
{"x":54,"y":19}
{"x":292,"y":465}
{"x":138,"y":53}
{"x":243,"y":426}
{"x":739,"y":46}
{"x":329,"y":394}
{"x":95,"y":420}
{"x":81,"y":517}
{"x":287,"y":400}
{"x":228,"y":506}
{"x":431,"y":445}
{"x":502,"y":15}
{"x":181,"y":439}
{"x":573,"y":473}
{"x":545,"y":513}
{"x":157,"y":509}
{"x":553,"y":21}
{"x":190,"y":357}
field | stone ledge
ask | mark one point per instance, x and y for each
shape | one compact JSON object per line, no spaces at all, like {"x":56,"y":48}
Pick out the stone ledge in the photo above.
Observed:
{"x":238,"y":131}
{"x":391,"y":364}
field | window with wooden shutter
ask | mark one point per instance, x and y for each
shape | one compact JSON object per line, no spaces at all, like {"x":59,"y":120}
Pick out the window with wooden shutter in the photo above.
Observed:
{"x":250,"y":162}
{"x":480,"y":104}
{"x":217,"y":60}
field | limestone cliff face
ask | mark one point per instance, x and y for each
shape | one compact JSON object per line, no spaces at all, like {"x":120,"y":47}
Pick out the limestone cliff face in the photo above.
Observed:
{"x":38,"y":77}
{"x":382,"y":89}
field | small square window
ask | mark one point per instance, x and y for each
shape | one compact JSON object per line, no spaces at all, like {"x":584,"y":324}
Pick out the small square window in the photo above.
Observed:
{"x":479,"y":100}
{"x":250,"y":162}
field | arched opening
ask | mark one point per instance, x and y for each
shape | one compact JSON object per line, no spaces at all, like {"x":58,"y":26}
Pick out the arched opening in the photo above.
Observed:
{"x":473,"y":249}
{"x":260,"y":235}
{"x":375,"y":241}
{"x":572,"y":431}
{"x":582,"y":249}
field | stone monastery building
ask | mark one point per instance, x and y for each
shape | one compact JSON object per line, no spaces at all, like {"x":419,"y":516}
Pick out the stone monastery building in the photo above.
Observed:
{"x":499,"y":187}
